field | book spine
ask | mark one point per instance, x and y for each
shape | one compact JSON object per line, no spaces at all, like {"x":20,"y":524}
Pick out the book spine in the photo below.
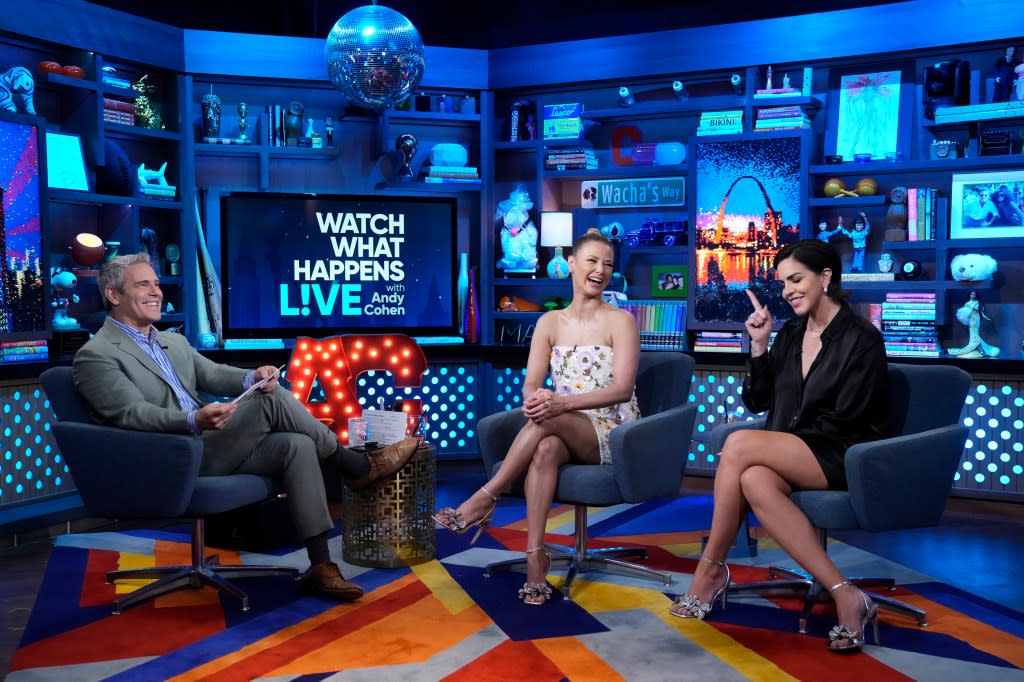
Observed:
{"x":472,"y":170}
{"x":912,"y":214}
{"x":779,"y":112}
{"x":922,"y":205}
{"x":782,"y":121}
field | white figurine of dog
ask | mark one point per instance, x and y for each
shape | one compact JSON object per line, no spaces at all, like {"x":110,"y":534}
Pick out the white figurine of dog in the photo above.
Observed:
{"x":152,"y":177}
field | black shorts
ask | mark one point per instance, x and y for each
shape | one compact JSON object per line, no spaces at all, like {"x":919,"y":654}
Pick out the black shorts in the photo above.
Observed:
{"x":831,"y":458}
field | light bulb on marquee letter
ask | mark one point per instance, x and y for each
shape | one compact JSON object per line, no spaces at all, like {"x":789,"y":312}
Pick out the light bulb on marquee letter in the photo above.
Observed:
{"x":327,"y":361}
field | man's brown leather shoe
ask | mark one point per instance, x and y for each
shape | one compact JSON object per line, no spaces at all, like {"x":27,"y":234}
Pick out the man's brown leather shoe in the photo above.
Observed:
{"x":326,"y":580}
{"x":386,"y":461}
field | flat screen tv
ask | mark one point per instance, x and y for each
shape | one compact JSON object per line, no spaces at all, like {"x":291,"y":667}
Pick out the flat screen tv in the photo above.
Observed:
{"x":24,"y":309}
{"x":319,"y":265}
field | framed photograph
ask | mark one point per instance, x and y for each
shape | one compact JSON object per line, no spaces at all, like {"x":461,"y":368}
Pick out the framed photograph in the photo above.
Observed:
{"x":65,"y":163}
{"x":987,"y":205}
{"x":748,"y":202}
{"x":869,"y":113}
{"x":669,"y":281}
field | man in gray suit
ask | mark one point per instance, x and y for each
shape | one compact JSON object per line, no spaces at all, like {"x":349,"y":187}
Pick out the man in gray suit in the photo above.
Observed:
{"x":135,"y":377}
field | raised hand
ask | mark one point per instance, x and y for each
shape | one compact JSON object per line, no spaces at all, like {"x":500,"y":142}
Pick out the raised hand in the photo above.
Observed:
{"x":759,"y":326}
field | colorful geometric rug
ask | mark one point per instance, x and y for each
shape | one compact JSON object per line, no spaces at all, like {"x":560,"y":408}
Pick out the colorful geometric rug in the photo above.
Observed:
{"x":443,"y":620}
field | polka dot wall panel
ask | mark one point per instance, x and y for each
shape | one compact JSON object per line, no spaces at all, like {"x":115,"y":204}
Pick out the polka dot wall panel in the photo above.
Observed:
{"x":30,"y":464}
{"x":456,"y":395}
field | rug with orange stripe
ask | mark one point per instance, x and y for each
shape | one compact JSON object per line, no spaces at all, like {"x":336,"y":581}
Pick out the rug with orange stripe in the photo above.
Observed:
{"x":443,"y":620}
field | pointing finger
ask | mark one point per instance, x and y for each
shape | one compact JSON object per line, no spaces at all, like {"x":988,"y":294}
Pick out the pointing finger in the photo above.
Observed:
{"x":753,"y":300}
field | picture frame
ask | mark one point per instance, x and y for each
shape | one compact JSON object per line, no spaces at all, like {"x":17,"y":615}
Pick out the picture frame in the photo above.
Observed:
{"x":870,"y":113}
{"x":748,"y":200}
{"x":670,"y":281}
{"x":987,"y":205}
{"x":65,"y":162}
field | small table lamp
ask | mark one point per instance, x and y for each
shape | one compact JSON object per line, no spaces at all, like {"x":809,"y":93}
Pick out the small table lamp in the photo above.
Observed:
{"x":87,"y":251}
{"x":556,"y":231}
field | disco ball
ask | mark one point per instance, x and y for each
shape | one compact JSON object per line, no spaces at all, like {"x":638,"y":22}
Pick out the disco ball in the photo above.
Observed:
{"x":374,"y":56}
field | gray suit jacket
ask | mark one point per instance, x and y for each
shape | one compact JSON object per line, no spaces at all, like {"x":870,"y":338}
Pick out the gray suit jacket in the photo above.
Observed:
{"x":126,"y":388}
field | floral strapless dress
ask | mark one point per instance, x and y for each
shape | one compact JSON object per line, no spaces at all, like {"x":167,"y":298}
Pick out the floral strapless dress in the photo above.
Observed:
{"x":580,"y":369}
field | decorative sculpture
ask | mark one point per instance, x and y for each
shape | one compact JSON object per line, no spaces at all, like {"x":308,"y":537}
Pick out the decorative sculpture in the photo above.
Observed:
{"x":16,"y":90}
{"x":971,"y":314}
{"x":243,"y":121}
{"x":210,"y":104}
{"x":518,"y":234}
{"x":147,"y":113}
{"x":63,"y":283}
{"x":405,"y":145}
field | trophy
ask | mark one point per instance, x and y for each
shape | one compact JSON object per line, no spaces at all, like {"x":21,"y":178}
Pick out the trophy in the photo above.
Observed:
{"x":406,"y":146}
{"x":243,"y":122}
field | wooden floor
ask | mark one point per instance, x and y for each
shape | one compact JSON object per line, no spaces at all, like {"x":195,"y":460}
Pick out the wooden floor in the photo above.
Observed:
{"x":978,"y":547}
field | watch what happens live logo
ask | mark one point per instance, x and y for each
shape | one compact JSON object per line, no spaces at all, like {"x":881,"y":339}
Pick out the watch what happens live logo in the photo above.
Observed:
{"x":364,"y":274}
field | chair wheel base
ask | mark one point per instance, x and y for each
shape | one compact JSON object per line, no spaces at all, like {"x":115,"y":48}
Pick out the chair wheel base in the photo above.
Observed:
{"x":796,"y":581}
{"x":604,"y":559}
{"x":170,"y":578}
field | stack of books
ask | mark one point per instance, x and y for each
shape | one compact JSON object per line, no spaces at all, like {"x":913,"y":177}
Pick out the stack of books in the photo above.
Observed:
{"x":718,"y":342}
{"x":118,"y":111}
{"x":442,"y":174}
{"x":921,"y":213}
{"x":908,"y":325}
{"x":781,"y":118}
{"x":662,"y":323}
{"x":579,"y":157}
{"x":162,"y":192}
{"x":721,"y":122}
{"x":24,"y":351}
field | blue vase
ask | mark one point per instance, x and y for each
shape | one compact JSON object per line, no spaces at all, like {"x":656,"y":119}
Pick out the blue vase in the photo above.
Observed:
{"x":462,"y":285}
{"x":558,"y":267}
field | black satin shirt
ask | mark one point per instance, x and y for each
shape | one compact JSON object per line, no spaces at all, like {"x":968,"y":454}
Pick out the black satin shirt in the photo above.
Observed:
{"x":844,"y":398}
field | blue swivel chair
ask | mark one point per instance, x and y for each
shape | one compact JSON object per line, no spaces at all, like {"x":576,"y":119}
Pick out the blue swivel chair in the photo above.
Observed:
{"x":648,"y":461}
{"x":896,"y":483}
{"x":123,"y":474}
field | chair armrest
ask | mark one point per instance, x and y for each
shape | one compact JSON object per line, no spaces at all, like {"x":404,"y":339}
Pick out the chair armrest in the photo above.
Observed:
{"x":495,"y":434}
{"x":722,"y":431}
{"x":649,"y":454}
{"x":125,"y":474}
{"x":903,"y":482}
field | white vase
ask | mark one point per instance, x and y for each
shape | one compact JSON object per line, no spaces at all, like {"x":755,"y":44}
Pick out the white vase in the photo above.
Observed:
{"x":463,"y":288}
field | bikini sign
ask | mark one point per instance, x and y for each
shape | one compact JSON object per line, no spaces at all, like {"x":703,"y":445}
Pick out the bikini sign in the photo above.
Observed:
{"x":638,"y":192}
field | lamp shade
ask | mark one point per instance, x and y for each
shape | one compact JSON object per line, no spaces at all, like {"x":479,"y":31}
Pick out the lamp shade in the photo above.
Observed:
{"x":556,"y":229}
{"x":87,"y":249}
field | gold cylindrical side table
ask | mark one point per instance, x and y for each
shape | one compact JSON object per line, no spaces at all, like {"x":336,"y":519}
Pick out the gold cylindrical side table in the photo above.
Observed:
{"x":390,"y":524}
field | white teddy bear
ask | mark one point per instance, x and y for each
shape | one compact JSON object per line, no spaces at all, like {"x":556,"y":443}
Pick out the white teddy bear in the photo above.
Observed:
{"x":972,"y":267}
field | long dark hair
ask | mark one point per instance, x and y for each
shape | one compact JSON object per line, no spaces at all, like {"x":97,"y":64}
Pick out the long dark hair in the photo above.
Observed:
{"x":816,"y":256}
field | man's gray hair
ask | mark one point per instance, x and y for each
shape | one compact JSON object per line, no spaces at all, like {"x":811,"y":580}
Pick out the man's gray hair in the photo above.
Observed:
{"x":112,"y":274}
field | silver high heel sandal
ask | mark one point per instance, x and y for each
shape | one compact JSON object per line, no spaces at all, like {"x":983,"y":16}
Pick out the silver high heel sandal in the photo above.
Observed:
{"x":540,"y":591}
{"x":690,"y":605}
{"x":453,"y":521}
{"x":855,"y":639}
